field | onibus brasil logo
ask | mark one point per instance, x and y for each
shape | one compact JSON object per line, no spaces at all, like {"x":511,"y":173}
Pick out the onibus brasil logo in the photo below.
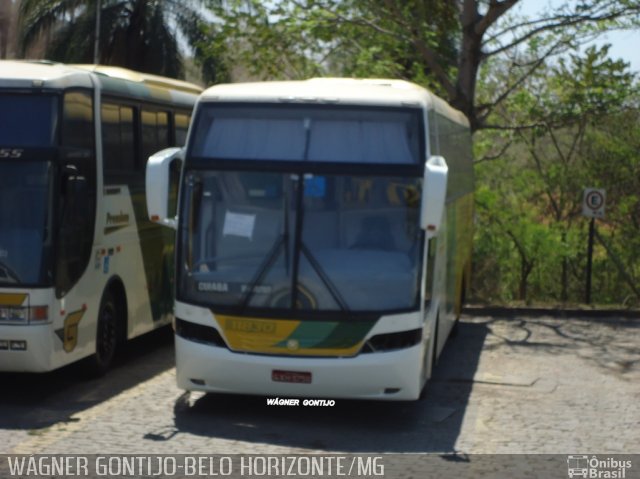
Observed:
{"x":593,"y":467}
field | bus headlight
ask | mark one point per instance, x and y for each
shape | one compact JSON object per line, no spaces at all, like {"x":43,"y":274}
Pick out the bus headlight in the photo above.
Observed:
{"x":24,"y":315}
{"x":14,"y":314}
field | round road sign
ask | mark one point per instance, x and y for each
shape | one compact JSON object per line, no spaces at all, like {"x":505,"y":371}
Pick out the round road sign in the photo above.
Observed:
{"x":594,"y":200}
{"x":593,"y":203}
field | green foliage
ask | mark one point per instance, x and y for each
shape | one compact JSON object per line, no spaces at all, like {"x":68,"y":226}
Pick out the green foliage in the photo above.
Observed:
{"x":441,"y":45}
{"x":515,"y":245}
{"x":589,"y":85}
{"x":138,"y":34}
{"x":577,"y":125}
{"x":296,"y":39}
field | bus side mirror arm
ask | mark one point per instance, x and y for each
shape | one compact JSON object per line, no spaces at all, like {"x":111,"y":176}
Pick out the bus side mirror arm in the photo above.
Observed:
{"x":434,"y":193}
{"x":157,"y":185}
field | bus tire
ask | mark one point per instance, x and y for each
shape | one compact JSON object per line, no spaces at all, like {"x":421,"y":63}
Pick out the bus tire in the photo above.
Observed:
{"x":107,"y":335}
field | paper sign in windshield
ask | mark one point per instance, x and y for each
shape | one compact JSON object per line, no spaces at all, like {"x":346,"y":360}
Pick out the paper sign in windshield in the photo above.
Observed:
{"x":238,"y":224}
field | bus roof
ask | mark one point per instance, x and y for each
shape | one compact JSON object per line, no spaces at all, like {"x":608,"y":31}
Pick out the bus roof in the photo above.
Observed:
{"x":40,"y":74}
{"x":347,"y":91}
{"x":113,"y":80}
{"x":147,"y":78}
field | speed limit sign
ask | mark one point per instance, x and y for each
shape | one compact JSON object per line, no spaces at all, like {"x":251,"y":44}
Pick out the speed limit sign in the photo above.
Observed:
{"x":593,"y":202}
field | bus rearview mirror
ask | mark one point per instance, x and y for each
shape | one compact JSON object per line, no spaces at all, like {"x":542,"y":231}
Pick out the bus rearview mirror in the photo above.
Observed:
{"x":157,"y":179}
{"x":434,"y":192}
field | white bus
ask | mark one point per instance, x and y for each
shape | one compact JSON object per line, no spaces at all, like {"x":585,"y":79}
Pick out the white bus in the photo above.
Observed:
{"x":317,"y":252}
{"x":81,"y":266}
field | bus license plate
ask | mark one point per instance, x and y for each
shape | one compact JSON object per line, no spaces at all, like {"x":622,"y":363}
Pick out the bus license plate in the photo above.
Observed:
{"x":291,"y":377}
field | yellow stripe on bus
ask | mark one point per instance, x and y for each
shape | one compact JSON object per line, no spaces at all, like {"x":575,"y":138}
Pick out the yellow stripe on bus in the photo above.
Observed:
{"x":265,"y":336}
{"x":12,"y":299}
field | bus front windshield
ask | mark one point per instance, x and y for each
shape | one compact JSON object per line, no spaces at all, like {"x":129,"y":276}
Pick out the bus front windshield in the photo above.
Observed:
{"x":257,"y":240}
{"x":28,"y":128}
{"x":27,"y":120}
{"x":25,"y":230}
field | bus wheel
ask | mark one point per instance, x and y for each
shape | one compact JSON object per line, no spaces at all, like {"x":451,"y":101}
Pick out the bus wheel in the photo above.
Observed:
{"x":106,"y":336}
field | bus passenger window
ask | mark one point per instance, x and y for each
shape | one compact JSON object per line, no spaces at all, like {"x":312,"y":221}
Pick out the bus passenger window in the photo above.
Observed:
{"x":181,"y":127}
{"x":127,"y":137}
{"x":162,"y":122}
{"x":155,"y":132}
{"x":77,"y":122}
{"x":118,"y":139}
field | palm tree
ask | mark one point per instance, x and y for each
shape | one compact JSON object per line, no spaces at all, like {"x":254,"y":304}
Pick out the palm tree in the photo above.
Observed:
{"x":143,"y":35}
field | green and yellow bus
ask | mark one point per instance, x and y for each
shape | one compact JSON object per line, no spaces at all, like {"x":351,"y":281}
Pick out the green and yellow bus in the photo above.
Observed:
{"x":324,"y":236}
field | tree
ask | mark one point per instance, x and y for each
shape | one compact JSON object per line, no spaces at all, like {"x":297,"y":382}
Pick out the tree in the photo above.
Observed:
{"x":442,"y":44}
{"x":139,"y":34}
{"x":563,"y":135}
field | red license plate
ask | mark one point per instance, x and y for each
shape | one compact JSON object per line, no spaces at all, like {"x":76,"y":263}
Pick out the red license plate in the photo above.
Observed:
{"x":291,"y":377}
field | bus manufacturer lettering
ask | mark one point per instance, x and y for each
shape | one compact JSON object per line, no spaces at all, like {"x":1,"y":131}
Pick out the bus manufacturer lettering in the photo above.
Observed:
{"x":11,"y":152}
{"x":213,"y":286}
{"x":120,"y":218}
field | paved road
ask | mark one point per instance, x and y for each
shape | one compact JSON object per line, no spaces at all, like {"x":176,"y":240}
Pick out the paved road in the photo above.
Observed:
{"x":517,"y":385}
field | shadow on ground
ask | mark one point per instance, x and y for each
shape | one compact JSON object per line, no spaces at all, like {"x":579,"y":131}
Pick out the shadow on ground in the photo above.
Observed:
{"x":430,"y":425}
{"x":596,"y":339}
{"x":38,"y":400}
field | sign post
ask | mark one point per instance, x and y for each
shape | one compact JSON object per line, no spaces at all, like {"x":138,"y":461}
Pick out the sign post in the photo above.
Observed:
{"x":593,"y":202}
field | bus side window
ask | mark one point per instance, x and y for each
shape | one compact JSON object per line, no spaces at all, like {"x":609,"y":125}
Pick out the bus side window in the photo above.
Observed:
{"x":162,"y":127}
{"x":118,"y":139}
{"x":155,"y":133}
{"x":78,"y":190}
{"x":181,"y":122}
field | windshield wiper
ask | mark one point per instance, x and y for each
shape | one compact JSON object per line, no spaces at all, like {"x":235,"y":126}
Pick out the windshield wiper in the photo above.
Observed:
{"x":331,"y":287}
{"x":8,"y":273}
{"x":272,"y":255}
{"x":262,"y":270}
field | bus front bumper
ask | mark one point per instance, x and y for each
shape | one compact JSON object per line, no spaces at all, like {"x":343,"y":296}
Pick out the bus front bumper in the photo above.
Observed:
{"x":391,"y":375}
{"x":25,"y":348}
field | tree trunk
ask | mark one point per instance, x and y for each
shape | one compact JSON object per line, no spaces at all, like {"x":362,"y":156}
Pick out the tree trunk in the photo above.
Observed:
{"x":469,"y":62}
